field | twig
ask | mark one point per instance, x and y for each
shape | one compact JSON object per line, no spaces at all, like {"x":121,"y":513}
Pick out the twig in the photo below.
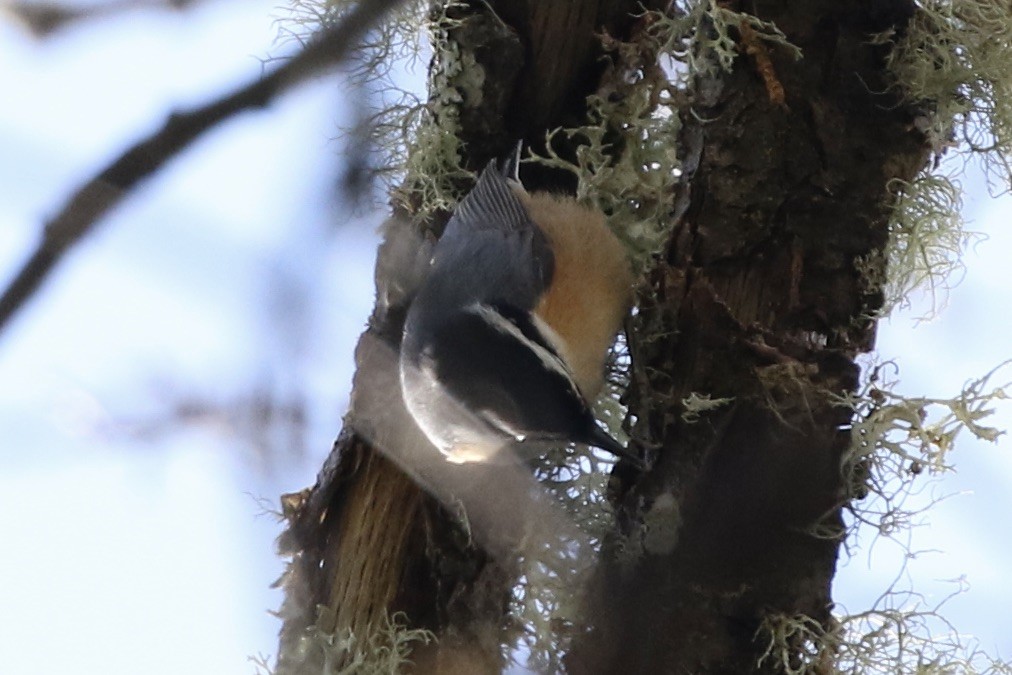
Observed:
{"x":109,"y":187}
{"x":757,"y":50}
{"x":43,"y":19}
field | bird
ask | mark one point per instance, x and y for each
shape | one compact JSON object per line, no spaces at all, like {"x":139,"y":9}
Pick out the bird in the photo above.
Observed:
{"x":504,"y":344}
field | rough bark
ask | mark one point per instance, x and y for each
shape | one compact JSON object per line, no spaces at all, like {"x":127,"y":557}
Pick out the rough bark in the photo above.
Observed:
{"x":757,"y":298}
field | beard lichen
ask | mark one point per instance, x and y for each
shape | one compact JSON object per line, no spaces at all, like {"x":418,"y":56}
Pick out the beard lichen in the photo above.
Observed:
{"x":897,"y":444}
{"x":926,"y":241}
{"x":895,"y":439}
{"x":626,"y":164}
{"x":430,"y":170}
{"x":900,"y":635}
{"x":952,"y":65}
{"x":385,"y":650}
{"x":954,"y":62}
{"x":547,"y":601}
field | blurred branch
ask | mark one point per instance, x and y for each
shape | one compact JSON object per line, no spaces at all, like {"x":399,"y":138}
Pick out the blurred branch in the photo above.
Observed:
{"x":271,"y":423}
{"x":100,"y":194}
{"x":43,"y":19}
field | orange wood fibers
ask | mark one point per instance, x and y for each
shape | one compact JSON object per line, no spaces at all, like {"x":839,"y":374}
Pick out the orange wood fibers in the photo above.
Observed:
{"x":591,"y":290}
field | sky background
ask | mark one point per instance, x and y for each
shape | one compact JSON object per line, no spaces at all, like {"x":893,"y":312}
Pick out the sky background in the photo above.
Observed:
{"x":231,"y":283}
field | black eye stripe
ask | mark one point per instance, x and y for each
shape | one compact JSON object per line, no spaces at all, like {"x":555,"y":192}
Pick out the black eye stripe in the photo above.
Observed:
{"x":522,"y":320}
{"x":500,"y":366}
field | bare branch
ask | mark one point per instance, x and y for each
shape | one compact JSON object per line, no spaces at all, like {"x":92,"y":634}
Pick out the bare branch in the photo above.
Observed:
{"x":43,"y":19}
{"x":108,"y":188}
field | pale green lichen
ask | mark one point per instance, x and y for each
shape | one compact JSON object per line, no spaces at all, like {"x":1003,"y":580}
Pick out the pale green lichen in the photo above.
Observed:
{"x":926,"y":241}
{"x":432,"y":171}
{"x":903,"y":635}
{"x":636,"y":110}
{"x":699,"y":36}
{"x":635,"y":190}
{"x":899,"y":635}
{"x":953,"y":65}
{"x":393,"y":44}
{"x":898,"y":442}
{"x":696,"y":405}
{"x":386,"y":650}
{"x":954,"y":61}
{"x":547,"y":602}
{"x":796,"y":645}
{"x":896,"y":439}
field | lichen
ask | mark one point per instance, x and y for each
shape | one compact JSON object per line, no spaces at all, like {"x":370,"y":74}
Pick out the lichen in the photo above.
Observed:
{"x":898,"y":443}
{"x":385,"y":650}
{"x":954,"y":65}
{"x":695,"y":405}
{"x":626,"y":164}
{"x":432,"y":173}
{"x":699,"y":36}
{"x":547,"y":601}
{"x":393,"y":43}
{"x":547,"y":604}
{"x":796,"y":645}
{"x":650,"y":77}
{"x":954,"y":62}
{"x":419,"y":152}
{"x":896,"y":439}
{"x":900,"y":635}
{"x":927,"y":237}
{"x":904,"y":635}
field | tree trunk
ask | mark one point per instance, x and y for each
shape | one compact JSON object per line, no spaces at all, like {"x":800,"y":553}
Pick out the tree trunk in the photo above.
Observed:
{"x":763,"y":301}
{"x":758,"y":297}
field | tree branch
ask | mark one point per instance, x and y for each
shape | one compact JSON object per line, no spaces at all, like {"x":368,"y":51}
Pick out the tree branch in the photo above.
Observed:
{"x":43,"y":19}
{"x":100,"y":194}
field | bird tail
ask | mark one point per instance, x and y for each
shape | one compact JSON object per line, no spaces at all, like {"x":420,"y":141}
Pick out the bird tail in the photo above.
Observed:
{"x":510,"y":166}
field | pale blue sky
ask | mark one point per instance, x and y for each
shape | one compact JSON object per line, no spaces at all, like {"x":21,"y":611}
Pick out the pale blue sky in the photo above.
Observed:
{"x":126,"y":556}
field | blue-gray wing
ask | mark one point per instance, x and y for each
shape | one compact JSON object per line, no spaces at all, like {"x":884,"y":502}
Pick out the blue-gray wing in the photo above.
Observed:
{"x":492,"y":204}
{"x":492,"y":245}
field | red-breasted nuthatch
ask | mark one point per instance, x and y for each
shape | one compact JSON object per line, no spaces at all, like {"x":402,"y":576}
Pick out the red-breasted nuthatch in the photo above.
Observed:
{"x":505,"y":342}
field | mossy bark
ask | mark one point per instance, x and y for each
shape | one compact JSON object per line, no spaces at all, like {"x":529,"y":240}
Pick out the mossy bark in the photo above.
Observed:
{"x":759,"y":297}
